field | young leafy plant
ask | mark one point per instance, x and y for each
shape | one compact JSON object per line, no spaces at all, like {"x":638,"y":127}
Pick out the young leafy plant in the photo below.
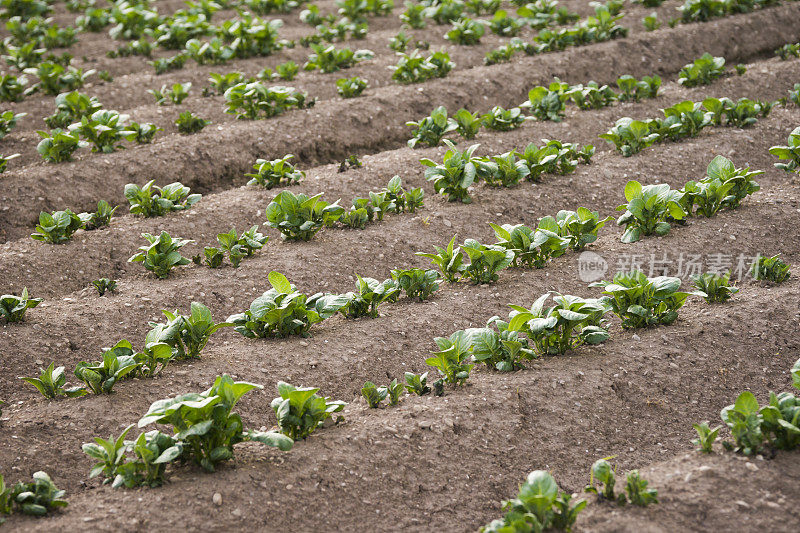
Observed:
{"x":467,"y":124}
{"x":538,"y":507}
{"x":240,"y":246}
{"x":450,"y":260}
{"x":705,"y":436}
{"x":162,"y":254}
{"x":370,"y":293}
{"x":153,"y":201}
{"x":395,"y":390}
{"x":745,"y":420}
{"x":716,"y":287}
{"x":187,"y":335}
{"x":13,"y":308}
{"x":57,"y":227}
{"x":580,"y":227}
{"x":37,"y":497}
{"x":58,"y":145}
{"x":702,"y":71}
{"x":572,"y":321}
{"x":640,"y":301}
{"x":430,"y":130}
{"x":276,"y":172}
{"x":100,"y":218}
{"x":373,"y":394}
{"x":417,"y":383}
{"x":452,"y":358}
{"x":457,"y":172}
{"x":531,"y":247}
{"x":300,"y":217}
{"x":207,"y":425}
{"x":300,"y":411}
{"x":416,"y":282}
{"x":772,"y":269}
{"x":789,"y":153}
{"x":485,"y":261}
{"x":104,"y":285}
{"x":51,"y":383}
{"x":282,"y":311}
{"x":351,"y":87}
{"x":648,"y":209}
{"x":189,"y":123}
{"x":101,"y":376}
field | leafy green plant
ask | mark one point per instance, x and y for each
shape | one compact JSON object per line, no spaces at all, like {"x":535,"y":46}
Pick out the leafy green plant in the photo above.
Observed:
{"x":51,"y":383}
{"x":101,"y":376}
{"x":37,"y":497}
{"x":12,"y":88}
{"x":189,"y":123}
{"x":431,"y":129}
{"x":282,"y":311}
{"x":55,"y":78}
{"x":547,"y":103}
{"x":580,"y":227}
{"x":413,"y":68}
{"x":744,"y":419}
{"x":466,"y":31}
{"x":330,"y":59}
{"x":373,"y":394}
{"x":13,"y":307}
{"x":554,"y":330}
{"x":702,"y":71}
{"x":637,"y":492}
{"x":58,"y":145}
{"x":417,"y":383}
{"x":416,"y":282}
{"x":640,"y":301}
{"x":187,"y":334}
{"x":207,"y":425}
{"x":651,"y":22}
{"x":631,"y":136}
{"x":212,"y":257}
{"x":705,"y":436}
{"x":399,"y":42}
{"x":788,"y":50}
{"x":452,"y":358}
{"x":175,"y":94}
{"x":450,"y":260}
{"x":789,"y":153}
{"x":276,"y":172}
{"x":4,"y":161}
{"x":531,"y":247}
{"x":100,"y":218}
{"x":151,"y":200}
{"x":457,"y":172}
{"x":103,"y":129}
{"x":635,"y":90}
{"x":485,"y":261}
{"x":555,"y":157}
{"x":467,"y":124}
{"x":395,"y":390}
{"x":57,"y":227}
{"x":537,"y":507}
{"x":500,"y":119}
{"x":369,"y":294}
{"x":161,"y":254}
{"x":162,"y":65}
{"x":300,"y":217}
{"x":716,"y":287}
{"x":772,"y":269}
{"x":104,"y":285}
{"x":602,"y":472}
{"x":142,"y":133}
{"x":70,"y":108}
{"x":648,"y":209}
{"x":252,"y":101}
{"x":351,"y":87}
{"x":300,"y":411}
{"x":241,"y":246}
{"x":8,"y":119}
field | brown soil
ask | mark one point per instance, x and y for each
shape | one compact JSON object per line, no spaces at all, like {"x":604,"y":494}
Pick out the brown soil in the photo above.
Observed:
{"x":440,"y":464}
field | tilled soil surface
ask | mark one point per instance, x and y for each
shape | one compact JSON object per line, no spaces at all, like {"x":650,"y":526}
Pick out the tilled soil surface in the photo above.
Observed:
{"x":431,"y":463}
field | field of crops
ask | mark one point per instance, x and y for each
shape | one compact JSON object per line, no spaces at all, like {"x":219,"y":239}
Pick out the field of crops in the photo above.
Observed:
{"x":618,"y":185}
